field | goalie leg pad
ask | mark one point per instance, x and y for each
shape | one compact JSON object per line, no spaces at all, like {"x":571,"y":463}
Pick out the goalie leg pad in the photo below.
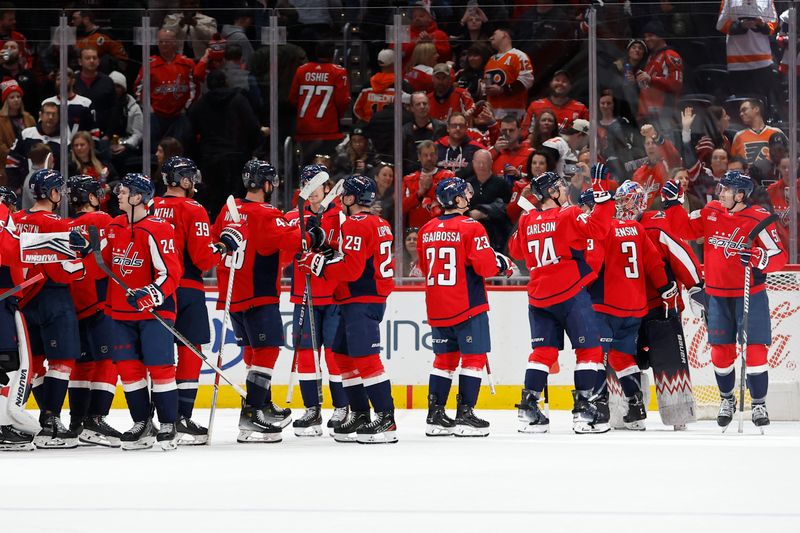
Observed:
{"x":669,"y":359}
{"x":20,"y":380}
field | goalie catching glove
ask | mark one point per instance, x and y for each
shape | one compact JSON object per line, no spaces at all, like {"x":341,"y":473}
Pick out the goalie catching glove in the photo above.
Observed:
{"x":145,"y":298}
{"x":755,"y":257}
{"x":600,"y":187}
{"x":504,"y":265}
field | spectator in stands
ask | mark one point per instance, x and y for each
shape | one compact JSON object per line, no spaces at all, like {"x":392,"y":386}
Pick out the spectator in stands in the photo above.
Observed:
{"x":212,"y":59}
{"x":419,"y":74}
{"x":456,"y":149}
{"x":491,"y":196}
{"x":510,"y":153}
{"x":419,"y":197}
{"x":628,"y":68}
{"x":235,"y":33}
{"x":470,"y":77}
{"x":508,"y":75}
{"x":84,"y":160}
{"x":539,"y":162}
{"x":315,"y":20}
{"x":564,"y":148}
{"x":227,"y":133}
{"x":748,"y":26}
{"x":239,"y":77}
{"x":13,"y":67}
{"x":768,"y":169}
{"x":423,"y":28}
{"x":167,"y":147}
{"x":662,"y":157}
{"x":715,"y":133}
{"x":97,"y":87}
{"x":46,"y":131}
{"x":126,"y":125}
{"x":354,"y":156}
{"x":380,"y":92}
{"x":172,"y":90}
{"x":40,"y":156}
{"x":779,"y":195}
{"x":445,"y":97}
{"x":193,"y":29}
{"x":577,"y":176}
{"x":421,"y":127}
{"x":8,"y":32}
{"x":80,"y":110}
{"x":321,"y":94}
{"x":13,"y":119}
{"x":383,"y":174}
{"x":615,"y":135}
{"x":410,"y":265}
{"x":545,"y":126}
{"x":111,"y":53}
{"x":566,"y":109}
{"x":475,"y":26}
{"x":661,"y":81}
{"x":751,"y":143}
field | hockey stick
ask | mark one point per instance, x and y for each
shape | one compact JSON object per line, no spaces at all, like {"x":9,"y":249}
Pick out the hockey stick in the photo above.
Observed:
{"x":525,"y":204}
{"x":94,"y":239}
{"x":315,"y":183}
{"x":746,"y":312}
{"x":234,"y":212}
{"x":26,"y":283}
{"x":489,"y":377}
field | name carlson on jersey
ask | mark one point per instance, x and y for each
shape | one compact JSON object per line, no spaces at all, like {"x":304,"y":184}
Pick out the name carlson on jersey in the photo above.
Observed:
{"x":545,"y":227}
{"x":442,"y":236}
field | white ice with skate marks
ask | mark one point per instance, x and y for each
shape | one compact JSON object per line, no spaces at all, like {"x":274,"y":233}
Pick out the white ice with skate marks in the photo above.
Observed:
{"x":657,"y":480}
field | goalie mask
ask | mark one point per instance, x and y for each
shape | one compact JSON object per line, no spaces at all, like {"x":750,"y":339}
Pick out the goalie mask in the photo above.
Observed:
{"x":631,"y":201}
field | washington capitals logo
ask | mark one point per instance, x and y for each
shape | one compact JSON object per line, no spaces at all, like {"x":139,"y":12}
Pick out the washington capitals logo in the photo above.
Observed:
{"x":730,"y":245}
{"x":124,"y":261}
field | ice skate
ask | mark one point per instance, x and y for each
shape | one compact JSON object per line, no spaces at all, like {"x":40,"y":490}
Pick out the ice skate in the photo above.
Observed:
{"x":467,"y":424}
{"x":277,"y":416}
{"x":337,"y":418}
{"x":439,"y":424}
{"x":310,"y":424}
{"x":585,"y":417}
{"x":54,"y":435}
{"x":382,"y":430}
{"x":600,"y":402}
{"x":637,"y":414}
{"x":760,"y":416}
{"x":167,"y":437}
{"x":12,"y":440}
{"x":531,"y":418}
{"x":253,"y":427}
{"x":97,"y":431}
{"x":346,"y":432}
{"x":190,"y":433}
{"x":727,"y":408}
{"x":141,"y":436}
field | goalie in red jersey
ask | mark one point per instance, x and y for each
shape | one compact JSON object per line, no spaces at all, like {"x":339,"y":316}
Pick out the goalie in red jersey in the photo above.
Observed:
{"x":455,"y":256}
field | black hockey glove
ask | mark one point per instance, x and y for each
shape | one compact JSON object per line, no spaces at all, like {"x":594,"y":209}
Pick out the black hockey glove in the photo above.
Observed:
{"x":672,"y":193}
{"x":79,"y":244}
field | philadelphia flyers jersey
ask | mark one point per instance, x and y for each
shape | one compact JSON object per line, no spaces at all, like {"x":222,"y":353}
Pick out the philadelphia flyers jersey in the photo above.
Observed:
{"x":455,"y":257}
{"x":89,"y":294}
{"x":504,"y":69}
{"x":142,"y":253}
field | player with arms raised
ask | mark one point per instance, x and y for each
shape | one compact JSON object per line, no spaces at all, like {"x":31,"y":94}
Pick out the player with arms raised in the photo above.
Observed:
{"x":552,"y":243}
{"x":455,"y":255}
{"x":724,"y":225}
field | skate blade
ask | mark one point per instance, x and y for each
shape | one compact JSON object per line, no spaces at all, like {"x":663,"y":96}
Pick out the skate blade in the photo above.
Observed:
{"x":387,"y":437}
{"x":47,"y":443}
{"x":679,"y":427}
{"x":433,"y":430}
{"x":144,"y":444}
{"x":22,"y":447}
{"x":635,"y":426}
{"x":527,"y":427}
{"x":185,"y":439}
{"x":90,"y":438}
{"x":345,"y":437}
{"x":584,"y":428}
{"x":168,"y":445}
{"x":469,"y":431}
{"x":279,"y":422}
{"x":310,"y":431}
{"x":254,"y":437}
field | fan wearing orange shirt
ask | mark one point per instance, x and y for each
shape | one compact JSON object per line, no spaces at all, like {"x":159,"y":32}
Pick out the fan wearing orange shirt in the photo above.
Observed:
{"x":507,"y":76}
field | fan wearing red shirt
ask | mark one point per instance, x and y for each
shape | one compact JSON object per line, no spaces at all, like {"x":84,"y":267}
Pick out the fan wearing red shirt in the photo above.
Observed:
{"x":364,"y":271}
{"x":725,"y":224}
{"x":565,"y":108}
{"x":445,"y":97}
{"x":509,"y":153}
{"x":552,"y":241}
{"x":455,"y":257}
{"x":320,"y":93}
{"x":661,"y":157}
{"x":419,"y":188}
{"x":661,"y":80}
{"x":424,"y":27}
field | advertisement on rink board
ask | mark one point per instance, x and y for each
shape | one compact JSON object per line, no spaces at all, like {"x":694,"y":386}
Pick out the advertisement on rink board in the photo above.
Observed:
{"x":406,"y":340}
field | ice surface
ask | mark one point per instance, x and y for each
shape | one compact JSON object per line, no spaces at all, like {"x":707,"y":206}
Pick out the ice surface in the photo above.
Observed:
{"x":659,"y":480}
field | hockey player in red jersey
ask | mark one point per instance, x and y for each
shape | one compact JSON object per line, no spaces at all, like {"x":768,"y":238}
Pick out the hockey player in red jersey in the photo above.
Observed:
{"x":326,"y":318}
{"x":50,"y":313}
{"x":725,"y":225}
{"x":552,"y":243}
{"x":141,"y":251}
{"x":626,"y":261}
{"x":255,"y":314}
{"x":364,"y":272}
{"x":197,"y":253}
{"x":455,"y":255}
{"x":94,"y":378}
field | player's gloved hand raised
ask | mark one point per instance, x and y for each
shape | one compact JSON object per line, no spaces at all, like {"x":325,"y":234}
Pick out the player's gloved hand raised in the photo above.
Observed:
{"x":79,"y":244}
{"x":600,"y":186}
{"x":504,"y":265}
{"x":315,"y":235}
{"x":698,"y":300}
{"x":755,"y":257}
{"x":327,"y":251}
{"x":145,"y":298}
{"x":231,"y":238}
{"x":672,"y":193}
{"x":312,"y":263}
{"x":669,"y":295}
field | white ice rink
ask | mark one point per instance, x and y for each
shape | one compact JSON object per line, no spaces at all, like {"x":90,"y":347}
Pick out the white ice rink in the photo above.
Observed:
{"x":659,"y":480}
